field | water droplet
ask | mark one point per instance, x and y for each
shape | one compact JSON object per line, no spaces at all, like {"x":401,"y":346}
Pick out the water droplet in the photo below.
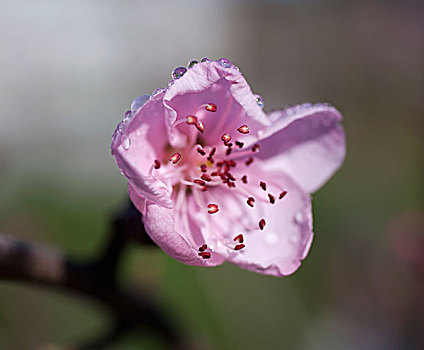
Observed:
{"x":121,"y":127}
{"x":205,"y":59}
{"x":259,"y":100}
{"x":192,"y":63}
{"x":271,"y":238}
{"x":225,"y":62}
{"x":299,"y":218}
{"x":157,"y":92}
{"x":125,"y":141}
{"x":178,"y":72}
{"x":138,"y":102}
{"x":294,"y":238}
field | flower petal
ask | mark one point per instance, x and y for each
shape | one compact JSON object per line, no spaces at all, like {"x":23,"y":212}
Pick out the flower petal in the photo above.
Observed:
{"x":209,"y":82}
{"x":287,"y":235}
{"x":160,"y":224}
{"x":307,"y":142}
{"x":146,"y":139}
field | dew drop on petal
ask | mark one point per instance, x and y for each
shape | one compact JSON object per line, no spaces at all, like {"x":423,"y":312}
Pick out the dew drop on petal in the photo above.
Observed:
{"x":225,"y":62}
{"x":294,"y":238}
{"x":178,"y":72}
{"x":271,"y":238}
{"x":125,"y":141}
{"x":259,"y":100}
{"x":138,"y":102}
{"x":192,"y":63}
{"x":157,"y":91}
{"x":299,"y":218}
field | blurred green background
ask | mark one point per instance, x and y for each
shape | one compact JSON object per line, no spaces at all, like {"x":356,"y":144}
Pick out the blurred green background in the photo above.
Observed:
{"x":69,"y":70}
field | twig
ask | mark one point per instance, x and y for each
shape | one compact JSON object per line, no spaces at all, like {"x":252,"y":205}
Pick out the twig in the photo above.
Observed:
{"x":30,"y":263}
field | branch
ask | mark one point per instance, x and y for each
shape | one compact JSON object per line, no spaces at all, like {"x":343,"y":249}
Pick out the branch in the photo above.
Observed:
{"x":30,"y":263}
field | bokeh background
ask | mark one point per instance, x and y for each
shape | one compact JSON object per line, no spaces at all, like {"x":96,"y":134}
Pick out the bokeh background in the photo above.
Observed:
{"x":69,"y":70}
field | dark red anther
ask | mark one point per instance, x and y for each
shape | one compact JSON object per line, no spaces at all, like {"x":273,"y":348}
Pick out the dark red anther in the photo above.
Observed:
{"x":205,"y":255}
{"x":255,"y":148}
{"x":271,"y":198}
{"x":211,"y":107}
{"x":282,"y":195}
{"x":232,"y":163}
{"x":231,"y":177}
{"x":175,"y":157}
{"x":201,"y":151}
{"x":200,"y":126}
{"x":226,"y":138}
{"x":262,"y":224}
{"x":206,"y":177}
{"x":250,"y":201}
{"x":239,"y":238}
{"x":244,"y":129}
{"x":228,"y":151}
{"x":203,"y":247}
{"x":212,"y":152}
{"x":204,"y":188}
{"x":239,"y":246}
{"x":210,"y":159}
{"x":249,"y":161}
{"x":199,"y":182}
{"x":220,"y":163}
{"x":191,"y":120}
{"x":240,"y":144}
{"x":244,"y":179}
{"x":157,"y":164}
{"x":203,"y":168}
{"x":231,"y":184}
{"x":215,"y":173}
{"x":263,"y":185}
{"x":212,"y":208}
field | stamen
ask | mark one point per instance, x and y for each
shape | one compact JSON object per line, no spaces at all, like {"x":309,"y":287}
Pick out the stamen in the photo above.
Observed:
{"x":249,"y":161}
{"x":215,"y":173}
{"x":191,"y":120}
{"x":255,"y":148}
{"x":201,"y":151}
{"x":250,"y":201}
{"x":263,"y":185}
{"x":231,"y":177}
{"x":271,"y":198}
{"x":232,"y":163}
{"x":239,"y":238}
{"x":231,"y":184}
{"x":200,"y":126}
{"x":282,"y":195}
{"x":203,"y":168}
{"x":239,"y":246}
{"x":244,"y":179}
{"x":199,"y":182}
{"x":157,"y":164}
{"x":244,"y":129}
{"x":205,"y":255}
{"x":204,"y":188}
{"x":262,"y":224}
{"x":206,"y":177}
{"x":212,"y":152}
{"x":213,"y":208}
{"x":228,"y":152}
{"x":175,"y":157}
{"x":226,"y":138}
{"x":203,"y":247}
{"x":240,"y":144}
{"x":211,"y":107}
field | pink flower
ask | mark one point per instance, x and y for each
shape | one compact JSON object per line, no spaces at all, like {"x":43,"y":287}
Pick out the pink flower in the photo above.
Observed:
{"x":219,"y":180}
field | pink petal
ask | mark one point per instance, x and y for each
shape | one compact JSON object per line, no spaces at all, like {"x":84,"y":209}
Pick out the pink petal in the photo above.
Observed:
{"x":307,"y":142}
{"x":176,"y":240}
{"x":146,"y":139}
{"x":211,"y":83}
{"x":286,"y":238}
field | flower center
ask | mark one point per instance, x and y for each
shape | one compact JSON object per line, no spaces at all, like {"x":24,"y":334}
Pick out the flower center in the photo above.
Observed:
{"x":197,"y":167}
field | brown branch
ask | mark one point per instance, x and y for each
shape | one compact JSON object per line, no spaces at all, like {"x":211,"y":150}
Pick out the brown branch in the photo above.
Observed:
{"x":30,"y":263}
